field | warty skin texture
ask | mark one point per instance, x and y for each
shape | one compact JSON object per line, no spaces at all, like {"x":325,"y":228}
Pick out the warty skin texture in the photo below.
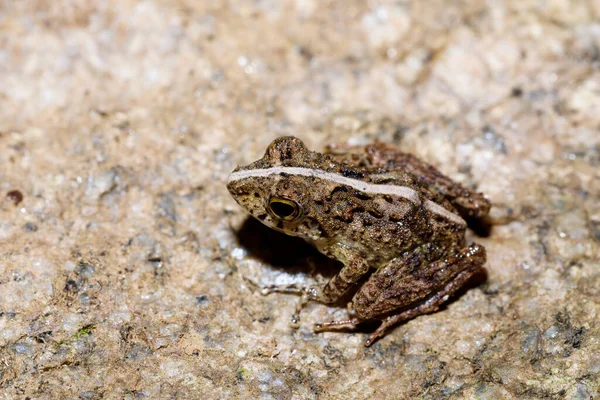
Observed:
{"x":408,"y":228}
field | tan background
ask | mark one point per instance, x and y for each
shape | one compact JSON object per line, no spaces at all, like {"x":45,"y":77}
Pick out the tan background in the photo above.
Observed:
{"x":127,"y":270}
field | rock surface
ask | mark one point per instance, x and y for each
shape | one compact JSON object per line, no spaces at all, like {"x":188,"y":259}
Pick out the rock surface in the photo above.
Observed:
{"x":127,"y":271}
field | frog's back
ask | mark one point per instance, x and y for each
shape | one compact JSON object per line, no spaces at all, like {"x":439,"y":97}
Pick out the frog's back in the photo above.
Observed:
{"x":379,"y":213}
{"x":384,"y":159}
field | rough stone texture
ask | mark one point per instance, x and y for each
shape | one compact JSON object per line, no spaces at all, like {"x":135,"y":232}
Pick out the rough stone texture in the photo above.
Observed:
{"x":128,"y":272}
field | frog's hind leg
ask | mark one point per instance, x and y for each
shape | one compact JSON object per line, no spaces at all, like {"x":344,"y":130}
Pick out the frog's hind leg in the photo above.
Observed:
{"x":432,"y":304}
{"x":470,"y":258}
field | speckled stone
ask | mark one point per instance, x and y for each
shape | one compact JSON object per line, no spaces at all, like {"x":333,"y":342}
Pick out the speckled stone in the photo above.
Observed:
{"x":128,"y":272}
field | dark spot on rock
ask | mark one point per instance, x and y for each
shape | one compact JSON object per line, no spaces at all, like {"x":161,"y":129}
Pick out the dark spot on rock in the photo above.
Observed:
{"x":464,"y":168}
{"x":8,"y":314}
{"x":494,"y":140}
{"x":596,"y":230}
{"x":516,"y":92}
{"x":575,"y":337}
{"x":399,"y":133}
{"x":29,"y":227}
{"x":15,"y":196}
{"x":240,"y":376}
{"x":256,"y":194}
{"x":43,"y":337}
{"x":89,"y":395}
{"x":201,"y":300}
{"x":71,"y":286}
{"x":304,"y":52}
{"x":166,"y":207}
{"x":85,"y":269}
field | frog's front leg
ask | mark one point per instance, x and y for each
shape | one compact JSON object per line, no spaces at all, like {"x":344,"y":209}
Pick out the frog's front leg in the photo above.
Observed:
{"x":355,"y":267}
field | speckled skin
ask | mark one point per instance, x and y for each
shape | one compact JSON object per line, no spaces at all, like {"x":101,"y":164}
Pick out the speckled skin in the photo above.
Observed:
{"x":419,"y":256}
{"x":383,"y":157}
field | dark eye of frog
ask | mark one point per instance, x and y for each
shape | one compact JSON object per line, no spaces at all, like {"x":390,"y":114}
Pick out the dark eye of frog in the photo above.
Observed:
{"x":284,"y":209}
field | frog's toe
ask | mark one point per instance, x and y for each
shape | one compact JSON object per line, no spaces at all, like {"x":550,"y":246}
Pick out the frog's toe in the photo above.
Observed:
{"x":324,"y":326}
{"x":381,"y":330}
{"x":287,"y":289}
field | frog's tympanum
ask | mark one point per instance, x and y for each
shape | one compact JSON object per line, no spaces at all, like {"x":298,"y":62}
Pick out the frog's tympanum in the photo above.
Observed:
{"x":395,"y":222}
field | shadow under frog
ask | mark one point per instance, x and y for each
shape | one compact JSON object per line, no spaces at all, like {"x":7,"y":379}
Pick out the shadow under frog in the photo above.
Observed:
{"x":296,"y":256}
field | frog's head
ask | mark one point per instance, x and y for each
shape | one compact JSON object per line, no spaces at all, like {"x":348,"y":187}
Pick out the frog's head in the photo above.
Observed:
{"x":276,"y":189}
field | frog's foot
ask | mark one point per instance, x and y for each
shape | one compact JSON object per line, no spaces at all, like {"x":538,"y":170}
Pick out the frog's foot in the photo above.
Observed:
{"x":309,"y":292}
{"x":306,"y":294}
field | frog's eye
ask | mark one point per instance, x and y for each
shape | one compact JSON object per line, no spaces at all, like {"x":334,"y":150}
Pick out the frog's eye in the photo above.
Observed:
{"x":284,"y":209}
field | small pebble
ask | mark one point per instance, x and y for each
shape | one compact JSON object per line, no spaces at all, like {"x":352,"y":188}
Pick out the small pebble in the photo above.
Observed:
{"x":15,"y":196}
{"x":29,"y":227}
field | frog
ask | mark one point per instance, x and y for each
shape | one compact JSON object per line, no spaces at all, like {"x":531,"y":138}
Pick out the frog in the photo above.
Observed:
{"x":395,"y":222}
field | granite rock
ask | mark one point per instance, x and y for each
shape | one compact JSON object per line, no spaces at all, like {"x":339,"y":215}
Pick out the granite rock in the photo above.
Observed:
{"x":127,"y":271}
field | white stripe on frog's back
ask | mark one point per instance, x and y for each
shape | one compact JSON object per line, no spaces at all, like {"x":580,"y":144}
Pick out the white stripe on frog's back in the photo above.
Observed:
{"x":362,"y":186}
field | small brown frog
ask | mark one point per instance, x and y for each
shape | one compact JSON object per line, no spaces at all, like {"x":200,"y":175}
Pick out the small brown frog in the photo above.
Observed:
{"x":377,"y":210}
